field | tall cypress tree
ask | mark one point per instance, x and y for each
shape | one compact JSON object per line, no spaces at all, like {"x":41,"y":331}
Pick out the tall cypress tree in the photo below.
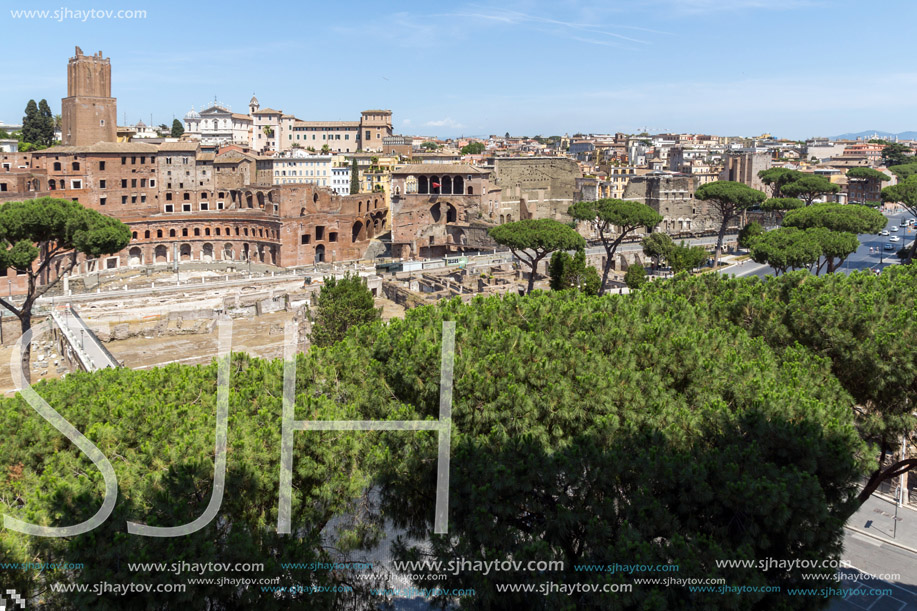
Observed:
{"x":47,"y":123}
{"x":31,"y":124}
{"x":177,"y":128}
{"x":354,"y":178}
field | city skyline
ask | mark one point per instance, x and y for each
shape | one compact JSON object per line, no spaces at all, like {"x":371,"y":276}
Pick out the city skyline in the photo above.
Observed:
{"x":787,"y":68}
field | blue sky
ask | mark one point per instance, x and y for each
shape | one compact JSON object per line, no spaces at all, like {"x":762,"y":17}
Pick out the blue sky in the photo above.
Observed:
{"x":794,"y":68}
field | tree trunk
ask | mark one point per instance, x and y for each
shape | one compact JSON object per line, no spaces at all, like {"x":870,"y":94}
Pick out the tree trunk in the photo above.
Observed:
{"x":534,"y":265}
{"x":880,"y":475}
{"x":719,"y":242}
{"x":606,"y":269}
{"x":25,"y":323}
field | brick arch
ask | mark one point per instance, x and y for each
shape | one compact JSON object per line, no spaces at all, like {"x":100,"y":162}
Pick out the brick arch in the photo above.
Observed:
{"x":358,"y":232}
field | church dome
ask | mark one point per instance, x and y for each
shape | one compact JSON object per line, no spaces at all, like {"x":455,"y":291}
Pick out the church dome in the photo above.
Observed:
{"x":192,"y":114}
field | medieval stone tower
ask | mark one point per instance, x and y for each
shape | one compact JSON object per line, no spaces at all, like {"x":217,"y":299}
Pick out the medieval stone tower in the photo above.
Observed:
{"x":88,"y":113}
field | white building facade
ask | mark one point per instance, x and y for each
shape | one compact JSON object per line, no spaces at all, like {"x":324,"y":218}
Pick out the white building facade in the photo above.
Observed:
{"x":340,"y":180}
{"x":299,"y":168}
{"x":218,"y":125}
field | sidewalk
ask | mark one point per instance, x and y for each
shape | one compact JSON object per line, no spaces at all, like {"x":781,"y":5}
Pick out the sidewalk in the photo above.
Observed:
{"x":876,"y":518}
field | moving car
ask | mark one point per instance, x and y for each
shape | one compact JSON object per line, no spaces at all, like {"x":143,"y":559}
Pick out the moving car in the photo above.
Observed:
{"x":894,"y":228}
{"x":884,"y":232}
{"x":889,"y":246}
{"x":894,"y":238}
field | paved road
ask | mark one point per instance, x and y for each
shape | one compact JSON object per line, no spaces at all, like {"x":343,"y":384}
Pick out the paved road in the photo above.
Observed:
{"x":869,"y":548}
{"x":861,"y":259}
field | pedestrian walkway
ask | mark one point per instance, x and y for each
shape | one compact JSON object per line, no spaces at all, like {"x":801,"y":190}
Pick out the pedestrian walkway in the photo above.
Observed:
{"x":877,"y":518}
{"x":88,"y":349}
{"x":880,"y":551}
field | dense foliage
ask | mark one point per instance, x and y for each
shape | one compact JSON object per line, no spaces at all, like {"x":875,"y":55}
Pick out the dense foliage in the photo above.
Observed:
{"x":592,"y":430}
{"x":568,"y":272}
{"x":809,"y":187}
{"x":834,"y":228}
{"x":865,"y":324}
{"x":38,"y":124}
{"x":748,"y":233}
{"x":776,"y":178}
{"x":698,"y":419}
{"x":861,"y":173}
{"x":157,"y":428}
{"x":685,"y":258}
{"x":354,"y":177}
{"x":781,"y":204}
{"x":635,"y":277}
{"x":658,"y":245}
{"x":473,"y":148}
{"x":341,"y":303}
{"x":895,"y":153}
{"x":785,"y":249}
{"x":905,"y":170}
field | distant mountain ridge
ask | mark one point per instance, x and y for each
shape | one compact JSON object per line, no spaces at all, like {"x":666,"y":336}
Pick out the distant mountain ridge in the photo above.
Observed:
{"x":876,"y":133}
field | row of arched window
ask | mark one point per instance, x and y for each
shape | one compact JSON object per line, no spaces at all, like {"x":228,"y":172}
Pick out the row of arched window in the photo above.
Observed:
{"x":271,"y":234}
{"x":375,"y":204}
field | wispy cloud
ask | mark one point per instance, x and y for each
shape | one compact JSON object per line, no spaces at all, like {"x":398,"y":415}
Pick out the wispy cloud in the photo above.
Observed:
{"x":464,"y":22}
{"x":719,"y":6}
{"x":559,"y":27}
{"x":447,"y":122}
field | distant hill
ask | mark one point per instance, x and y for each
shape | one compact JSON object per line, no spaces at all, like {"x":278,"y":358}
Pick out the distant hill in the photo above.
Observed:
{"x":874,"y":132}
